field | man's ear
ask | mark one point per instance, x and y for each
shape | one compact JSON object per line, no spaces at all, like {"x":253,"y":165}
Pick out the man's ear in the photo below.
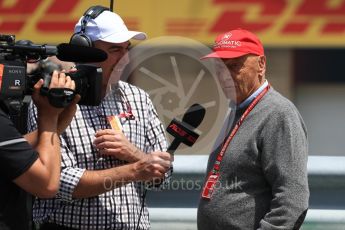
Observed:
{"x":262,"y":65}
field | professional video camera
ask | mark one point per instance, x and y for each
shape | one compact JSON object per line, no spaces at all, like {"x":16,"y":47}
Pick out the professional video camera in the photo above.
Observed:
{"x":15,"y":83}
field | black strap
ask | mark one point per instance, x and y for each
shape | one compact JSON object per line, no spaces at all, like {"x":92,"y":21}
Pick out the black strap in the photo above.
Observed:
{"x":94,"y":11}
{"x":300,"y":220}
{"x":91,"y":13}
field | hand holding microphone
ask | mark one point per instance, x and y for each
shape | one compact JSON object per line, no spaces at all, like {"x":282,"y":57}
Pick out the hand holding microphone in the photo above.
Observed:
{"x":153,"y":166}
{"x":156,"y":164}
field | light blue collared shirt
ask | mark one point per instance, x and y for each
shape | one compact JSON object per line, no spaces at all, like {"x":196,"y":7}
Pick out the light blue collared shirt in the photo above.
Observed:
{"x":249,"y":99}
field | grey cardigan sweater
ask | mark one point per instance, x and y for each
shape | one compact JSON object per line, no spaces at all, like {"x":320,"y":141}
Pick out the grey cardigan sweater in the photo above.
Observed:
{"x":263,"y":176}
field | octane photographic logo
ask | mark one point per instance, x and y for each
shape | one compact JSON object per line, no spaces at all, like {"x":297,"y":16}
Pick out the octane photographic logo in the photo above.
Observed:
{"x":169,"y":69}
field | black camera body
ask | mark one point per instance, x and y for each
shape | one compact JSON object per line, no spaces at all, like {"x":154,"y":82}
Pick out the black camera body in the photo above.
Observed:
{"x":15,"y":83}
{"x":87,"y":78}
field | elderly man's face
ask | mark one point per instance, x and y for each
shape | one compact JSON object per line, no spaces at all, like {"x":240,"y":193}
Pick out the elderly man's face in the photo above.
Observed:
{"x":247,"y":74}
{"x":116,"y":61}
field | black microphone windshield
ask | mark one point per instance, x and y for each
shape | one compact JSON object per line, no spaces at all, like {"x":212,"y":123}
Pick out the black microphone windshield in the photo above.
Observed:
{"x":80,"y":54}
{"x":194,"y":115}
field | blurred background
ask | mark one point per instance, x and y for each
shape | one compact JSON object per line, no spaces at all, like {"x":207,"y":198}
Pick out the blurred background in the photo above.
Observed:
{"x":304,"y":42}
{"x":305,"y":47}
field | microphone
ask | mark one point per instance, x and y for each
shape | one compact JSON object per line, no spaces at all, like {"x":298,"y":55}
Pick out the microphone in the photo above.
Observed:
{"x":183,"y":131}
{"x":81,"y":54}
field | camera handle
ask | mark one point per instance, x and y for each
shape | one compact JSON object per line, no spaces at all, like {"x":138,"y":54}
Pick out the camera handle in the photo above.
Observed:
{"x":58,"y":97}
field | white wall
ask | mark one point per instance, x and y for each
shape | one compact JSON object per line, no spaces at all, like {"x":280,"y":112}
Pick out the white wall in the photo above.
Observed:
{"x":323,"y":110}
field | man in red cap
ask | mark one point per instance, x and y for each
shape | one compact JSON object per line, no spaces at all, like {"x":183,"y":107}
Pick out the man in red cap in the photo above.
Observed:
{"x":257,"y":174}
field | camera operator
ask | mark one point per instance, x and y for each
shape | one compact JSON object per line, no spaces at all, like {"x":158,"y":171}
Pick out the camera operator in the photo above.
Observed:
{"x":32,"y":162}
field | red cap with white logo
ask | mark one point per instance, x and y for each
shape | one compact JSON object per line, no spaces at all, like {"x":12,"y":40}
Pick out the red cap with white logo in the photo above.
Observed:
{"x":236,"y":43}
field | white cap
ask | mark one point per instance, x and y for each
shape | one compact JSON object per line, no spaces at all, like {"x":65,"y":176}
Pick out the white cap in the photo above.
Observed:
{"x":109,"y":27}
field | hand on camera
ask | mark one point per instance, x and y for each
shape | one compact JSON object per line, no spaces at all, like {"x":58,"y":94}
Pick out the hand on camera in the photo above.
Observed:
{"x":45,"y":109}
